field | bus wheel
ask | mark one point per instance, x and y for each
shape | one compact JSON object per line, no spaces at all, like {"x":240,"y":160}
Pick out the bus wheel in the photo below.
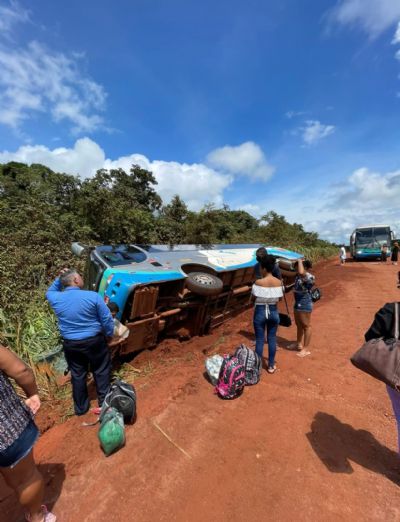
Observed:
{"x":201,"y":283}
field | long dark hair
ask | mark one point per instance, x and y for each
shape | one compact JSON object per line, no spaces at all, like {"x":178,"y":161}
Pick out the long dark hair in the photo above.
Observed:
{"x":267,"y":262}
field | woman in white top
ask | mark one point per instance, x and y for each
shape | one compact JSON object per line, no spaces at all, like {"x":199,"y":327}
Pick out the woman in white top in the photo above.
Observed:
{"x":267,"y":292}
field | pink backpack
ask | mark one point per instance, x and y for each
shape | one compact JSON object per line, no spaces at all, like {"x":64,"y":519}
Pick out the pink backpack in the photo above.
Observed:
{"x":231,"y":378}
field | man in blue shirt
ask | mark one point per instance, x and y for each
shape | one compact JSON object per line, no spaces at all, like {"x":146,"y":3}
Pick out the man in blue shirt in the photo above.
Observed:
{"x":85,"y":322}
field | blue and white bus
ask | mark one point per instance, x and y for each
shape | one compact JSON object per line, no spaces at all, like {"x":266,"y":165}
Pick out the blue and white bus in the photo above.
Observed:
{"x":366,"y":241}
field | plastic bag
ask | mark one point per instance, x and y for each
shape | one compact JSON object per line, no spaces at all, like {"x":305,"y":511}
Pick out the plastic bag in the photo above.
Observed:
{"x":213,"y":367}
{"x":112,"y":431}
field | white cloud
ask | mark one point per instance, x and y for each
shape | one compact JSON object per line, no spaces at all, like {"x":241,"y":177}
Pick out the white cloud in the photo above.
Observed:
{"x":11,"y":15}
{"x":314,"y":131}
{"x":396,"y":37}
{"x":196,"y":183}
{"x":84,"y":158}
{"x":334,"y":211}
{"x":293,"y":114}
{"x":365,"y":197}
{"x":35,"y":79}
{"x":371,"y":190}
{"x":246,"y":159}
{"x":373,"y":16}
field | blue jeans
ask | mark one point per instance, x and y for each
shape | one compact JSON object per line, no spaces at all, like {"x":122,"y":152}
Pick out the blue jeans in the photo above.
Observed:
{"x":271,"y":323}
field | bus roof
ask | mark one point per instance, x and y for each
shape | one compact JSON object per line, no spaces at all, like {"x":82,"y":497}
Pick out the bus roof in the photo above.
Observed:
{"x":372,"y":226}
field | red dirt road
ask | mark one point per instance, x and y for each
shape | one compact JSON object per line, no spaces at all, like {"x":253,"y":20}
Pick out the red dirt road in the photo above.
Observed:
{"x":315,"y":441}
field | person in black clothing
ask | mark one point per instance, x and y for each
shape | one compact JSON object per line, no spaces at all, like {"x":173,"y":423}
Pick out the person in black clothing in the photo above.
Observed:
{"x":395,"y":253}
{"x":383,"y":326}
{"x":261,"y":253}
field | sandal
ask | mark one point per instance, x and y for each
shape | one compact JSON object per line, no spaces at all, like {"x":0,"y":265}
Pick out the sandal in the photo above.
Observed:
{"x":303,"y":353}
{"x":47,"y":515}
{"x":271,"y":369}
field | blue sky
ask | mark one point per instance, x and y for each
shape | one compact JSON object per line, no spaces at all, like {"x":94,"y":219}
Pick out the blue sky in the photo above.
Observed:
{"x":288,"y":106}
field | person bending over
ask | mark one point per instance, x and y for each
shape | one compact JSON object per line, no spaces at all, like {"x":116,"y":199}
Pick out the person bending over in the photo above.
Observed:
{"x":18,"y":435}
{"x":267,"y":292}
{"x":85,"y":322}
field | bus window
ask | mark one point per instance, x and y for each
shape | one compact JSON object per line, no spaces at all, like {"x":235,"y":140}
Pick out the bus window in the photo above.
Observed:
{"x":364,"y":237}
{"x":382,"y":235}
{"x":95,"y":272}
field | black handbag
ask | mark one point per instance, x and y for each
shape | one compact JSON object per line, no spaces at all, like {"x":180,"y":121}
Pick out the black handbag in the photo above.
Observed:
{"x":285,"y":319}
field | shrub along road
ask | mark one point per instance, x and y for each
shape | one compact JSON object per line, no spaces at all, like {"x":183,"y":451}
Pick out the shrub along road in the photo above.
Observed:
{"x":315,"y":441}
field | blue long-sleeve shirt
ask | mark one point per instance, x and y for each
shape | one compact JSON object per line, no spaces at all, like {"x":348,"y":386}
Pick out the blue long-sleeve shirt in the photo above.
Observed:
{"x":80,"y":313}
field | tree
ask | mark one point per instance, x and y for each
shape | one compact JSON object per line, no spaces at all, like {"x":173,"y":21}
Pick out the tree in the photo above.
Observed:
{"x":171,"y":222}
{"x":200,"y":229}
{"x":118,"y":206}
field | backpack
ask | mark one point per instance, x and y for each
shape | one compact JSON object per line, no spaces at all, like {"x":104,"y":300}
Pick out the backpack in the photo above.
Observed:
{"x":231,"y":378}
{"x":252,"y":364}
{"x":316,"y":294}
{"x":213,"y":367}
{"x":122,"y":397}
{"x":111,"y":433}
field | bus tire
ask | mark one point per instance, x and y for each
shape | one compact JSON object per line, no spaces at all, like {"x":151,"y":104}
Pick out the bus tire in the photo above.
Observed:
{"x":201,"y":283}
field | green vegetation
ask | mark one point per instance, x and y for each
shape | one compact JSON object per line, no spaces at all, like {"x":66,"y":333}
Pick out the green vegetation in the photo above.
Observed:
{"x":42,"y":212}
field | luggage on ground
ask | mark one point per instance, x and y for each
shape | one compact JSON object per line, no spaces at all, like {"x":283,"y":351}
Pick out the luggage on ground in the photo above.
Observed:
{"x":252,"y":364}
{"x":122,"y":397}
{"x":112,"y":431}
{"x":231,"y":379}
{"x":213,"y":367}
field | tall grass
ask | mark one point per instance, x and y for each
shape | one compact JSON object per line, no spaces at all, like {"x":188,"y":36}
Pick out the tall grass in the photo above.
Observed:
{"x":31,"y":337}
{"x":315,"y":253}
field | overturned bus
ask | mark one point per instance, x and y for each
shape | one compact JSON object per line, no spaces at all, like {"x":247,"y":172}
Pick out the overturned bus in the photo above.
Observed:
{"x":181,"y":291}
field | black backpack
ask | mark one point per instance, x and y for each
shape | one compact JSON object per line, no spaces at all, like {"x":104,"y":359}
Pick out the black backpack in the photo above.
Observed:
{"x":122,"y":397}
{"x":252,"y":364}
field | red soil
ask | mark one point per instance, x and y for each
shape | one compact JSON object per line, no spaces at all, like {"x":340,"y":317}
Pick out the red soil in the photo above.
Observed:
{"x":315,"y":441}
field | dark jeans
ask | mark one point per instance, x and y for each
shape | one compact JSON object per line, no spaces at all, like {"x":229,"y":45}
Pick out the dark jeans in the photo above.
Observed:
{"x":93,"y":354}
{"x":271,"y":323}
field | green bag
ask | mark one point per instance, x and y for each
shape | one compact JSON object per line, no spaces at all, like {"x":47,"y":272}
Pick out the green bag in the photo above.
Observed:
{"x":112,"y":431}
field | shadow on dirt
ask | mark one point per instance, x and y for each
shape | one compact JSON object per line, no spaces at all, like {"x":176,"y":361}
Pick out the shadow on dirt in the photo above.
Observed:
{"x":53,"y":476}
{"x":285,"y":343}
{"x":248,"y":334}
{"x":282,"y":343}
{"x":337,"y":444}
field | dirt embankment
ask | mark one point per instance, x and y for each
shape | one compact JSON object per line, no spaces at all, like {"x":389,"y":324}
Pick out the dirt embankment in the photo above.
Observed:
{"x":315,"y":441}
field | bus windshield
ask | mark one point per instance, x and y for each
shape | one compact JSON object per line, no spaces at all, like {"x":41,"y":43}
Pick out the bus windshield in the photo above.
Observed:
{"x":373,"y":237}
